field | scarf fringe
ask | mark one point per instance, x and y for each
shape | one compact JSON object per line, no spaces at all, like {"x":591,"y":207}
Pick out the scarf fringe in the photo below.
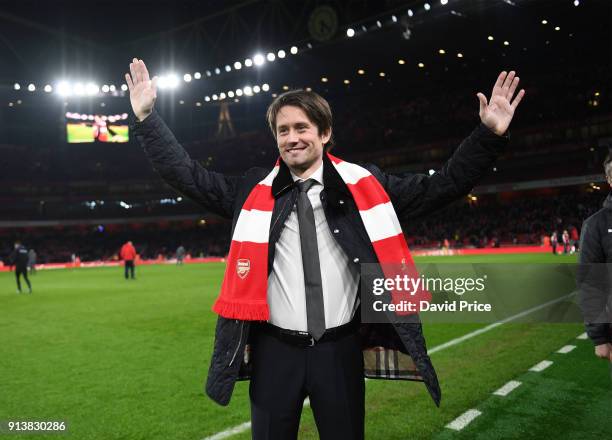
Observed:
{"x":246,"y":312}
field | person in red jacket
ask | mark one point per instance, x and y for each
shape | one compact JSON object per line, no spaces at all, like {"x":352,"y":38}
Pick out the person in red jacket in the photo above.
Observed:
{"x":128,"y":255}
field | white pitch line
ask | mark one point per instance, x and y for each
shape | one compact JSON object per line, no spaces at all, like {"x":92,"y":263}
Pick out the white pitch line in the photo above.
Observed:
{"x":229,"y":432}
{"x":247,"y":425}
{"x":508,"y":388}
{"x":582,"y":336}
{"x":463,"y":420}
{"x":541,"y":366}
{"x":566,"y":349}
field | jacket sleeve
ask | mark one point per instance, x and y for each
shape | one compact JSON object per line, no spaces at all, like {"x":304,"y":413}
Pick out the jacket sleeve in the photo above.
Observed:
{"x":416,"y":195}
{"x":214,"y":191}
{"x":593,"y":283}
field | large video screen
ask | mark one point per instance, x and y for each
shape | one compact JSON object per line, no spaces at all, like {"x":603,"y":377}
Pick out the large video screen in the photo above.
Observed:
{"x":82,"y":128}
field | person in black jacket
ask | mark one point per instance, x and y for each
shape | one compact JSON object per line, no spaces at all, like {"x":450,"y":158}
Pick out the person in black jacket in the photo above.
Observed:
{"x":594,"y":274}
{"x":19,"y":258}
{"x":284,"y":357}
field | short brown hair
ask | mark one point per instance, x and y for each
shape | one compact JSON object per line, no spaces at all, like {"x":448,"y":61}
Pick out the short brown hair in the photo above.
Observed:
{"x":314,"y":105}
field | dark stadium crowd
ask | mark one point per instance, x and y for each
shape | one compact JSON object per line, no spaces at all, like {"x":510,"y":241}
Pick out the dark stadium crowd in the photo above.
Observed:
{"x":486,"y":222}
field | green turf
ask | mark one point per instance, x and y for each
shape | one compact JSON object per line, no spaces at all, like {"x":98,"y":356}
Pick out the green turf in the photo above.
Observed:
{"x":124,"y":359}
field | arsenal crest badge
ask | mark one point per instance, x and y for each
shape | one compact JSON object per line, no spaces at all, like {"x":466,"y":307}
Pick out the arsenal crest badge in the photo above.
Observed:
{"x":242,"y":267}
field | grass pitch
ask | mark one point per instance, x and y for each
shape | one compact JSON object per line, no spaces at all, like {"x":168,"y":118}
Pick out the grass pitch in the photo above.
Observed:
{"x":121,"y":359}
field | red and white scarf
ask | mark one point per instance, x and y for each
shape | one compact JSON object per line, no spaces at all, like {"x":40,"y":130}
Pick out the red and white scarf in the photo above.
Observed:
{"x":245,"y":285}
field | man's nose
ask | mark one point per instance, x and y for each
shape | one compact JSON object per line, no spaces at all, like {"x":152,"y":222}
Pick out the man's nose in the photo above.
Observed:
{"x":292,"y":137}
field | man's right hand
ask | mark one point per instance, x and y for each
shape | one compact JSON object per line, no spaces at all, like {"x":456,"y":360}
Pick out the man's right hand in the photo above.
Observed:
{"x":604,"y":351}
{"x":143,"y":91}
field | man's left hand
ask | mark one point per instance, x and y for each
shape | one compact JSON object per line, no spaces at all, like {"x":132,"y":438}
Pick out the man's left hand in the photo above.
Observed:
{"x":497,"y":113}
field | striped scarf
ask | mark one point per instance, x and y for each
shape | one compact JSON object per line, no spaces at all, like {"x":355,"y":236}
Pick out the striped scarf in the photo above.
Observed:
{"x":244,"y":289}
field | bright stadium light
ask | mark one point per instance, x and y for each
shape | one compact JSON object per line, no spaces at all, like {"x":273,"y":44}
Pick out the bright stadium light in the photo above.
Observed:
{"x":197,"y":75}
{"x":215,"y":97}
{"x":270,"y":57}
{"x":443,"y":2}
{"x":431,"y":172}
{"x":124,"y":87}
{"x":256,"y":89}
{"x":208,"y":73}
{"x":248,"y":62}
{"x":281,"y":53}
{"x":410,"y":13}
{"x":31,"y":87}
{"x":238,"y":92}
{"x":228,"y":68}
{"x":63,"y":88}
{"x":427,"y":6}
{"x":105,"y":88}
{"x":248,"y":91}
{"x":350,"y":32}
{"x":112,"y":88}
{"x":92,"y":89}
{"x":258,"y":59}
{"x":48,"y":88}
{"x":222,"y":95}
{"x":79,"y":89}
{"x":207,"y":99}
{"x":230,"y":93}
{"x":187,"y":77}
{"x":16,"y":86}
{"x":217,"y":71}
{"x":237,"y":65}
{"x":265,"y":87}
{"x":294,"y":50}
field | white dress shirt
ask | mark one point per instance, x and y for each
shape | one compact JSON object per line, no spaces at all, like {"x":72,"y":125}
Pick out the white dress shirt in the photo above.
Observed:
{"x":286,"y":289}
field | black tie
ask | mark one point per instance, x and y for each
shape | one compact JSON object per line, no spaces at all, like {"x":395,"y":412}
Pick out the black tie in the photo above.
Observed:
{"x":315,"y":312}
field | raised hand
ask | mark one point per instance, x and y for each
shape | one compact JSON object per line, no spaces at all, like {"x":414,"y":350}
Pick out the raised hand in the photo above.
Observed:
{"x":498,"y":112}
{"x":143,"y":91}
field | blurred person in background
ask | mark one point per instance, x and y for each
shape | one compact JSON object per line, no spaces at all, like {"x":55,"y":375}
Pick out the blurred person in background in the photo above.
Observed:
{"x":19,"y":259}
{"x":128,"y":255}
{"x":32,"y":261}
{"x":180,"y":255}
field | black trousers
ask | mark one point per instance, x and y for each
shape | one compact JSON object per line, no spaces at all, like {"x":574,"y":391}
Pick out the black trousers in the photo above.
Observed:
{"x":22,"y":271}
{"x":329,"y":373}
{"x":129,"y":266}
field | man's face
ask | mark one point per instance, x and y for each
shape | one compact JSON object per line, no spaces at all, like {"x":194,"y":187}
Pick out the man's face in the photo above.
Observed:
{"x":299,"y":142}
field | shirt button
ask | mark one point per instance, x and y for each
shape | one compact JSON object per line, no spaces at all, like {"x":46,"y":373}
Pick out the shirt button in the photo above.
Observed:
{"x":336,"y":231}
{"x":356,"y":260}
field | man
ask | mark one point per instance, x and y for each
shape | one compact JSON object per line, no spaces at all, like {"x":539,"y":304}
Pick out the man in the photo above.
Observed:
{"x":593,"y":274}
{"x":180,"y":255}
{"x":128,"y":255}
{"x":288,"y":307}
{"x":19,"y":258}
{"x":32,"y":261}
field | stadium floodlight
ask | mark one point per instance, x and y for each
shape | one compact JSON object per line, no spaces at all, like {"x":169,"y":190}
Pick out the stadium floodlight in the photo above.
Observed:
{"x":112,"y":88}
{"x":92,"y":89}
{"x":576,"y":2}
{"x":222,"y":96}
{"x":265,"y":87}
{"x":31,"y":87}
{"x":248,"y":62}
{"x":16,"y":86}
{"x":350,"y":32}
{"x":197,"y":75}
{"x":378,"y":23}
{"x":410,"y":13}
{"x":257,"y":89}
{"x":431,"y":172}
{"x":281,"y":53}
{"x":187,"y":77}
{"x":105,"y":88}
{"x":169,"y":81}
{"x":238,"y":92}
{"x":427,"y":6}
{"x":506,"y":43}
{"x":48,"y":88}
{"x":394,"y":19}
{"x":228,"y":68}
{"x":237,"y":65}
{"x":124,"y":87}
{"x":294,"y":50}
{"x":490,"y":38}
{"x":217,"y":71}
{"x":248,"y":90}
{"x":63,"y":88}
{"x":258,"y":59}
{"x":215,"y":97}
{"x":443,"y":2}
{"x":79,"y":89}
{"x":230,"y":93}
{"x":270,"y":57}
{"x":208,"y":73}
{"x":207,"y":99}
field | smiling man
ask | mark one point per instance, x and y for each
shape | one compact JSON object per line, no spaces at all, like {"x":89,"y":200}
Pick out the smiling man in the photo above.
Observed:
{"x":289,"y":303}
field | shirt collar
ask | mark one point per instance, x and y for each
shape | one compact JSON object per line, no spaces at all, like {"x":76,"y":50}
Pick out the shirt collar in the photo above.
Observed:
{"x":317,"y":175}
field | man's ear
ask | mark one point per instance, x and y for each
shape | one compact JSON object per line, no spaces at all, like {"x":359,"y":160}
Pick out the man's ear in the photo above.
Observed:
{"x":326,"y":136}
{"x":609,"y":180}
